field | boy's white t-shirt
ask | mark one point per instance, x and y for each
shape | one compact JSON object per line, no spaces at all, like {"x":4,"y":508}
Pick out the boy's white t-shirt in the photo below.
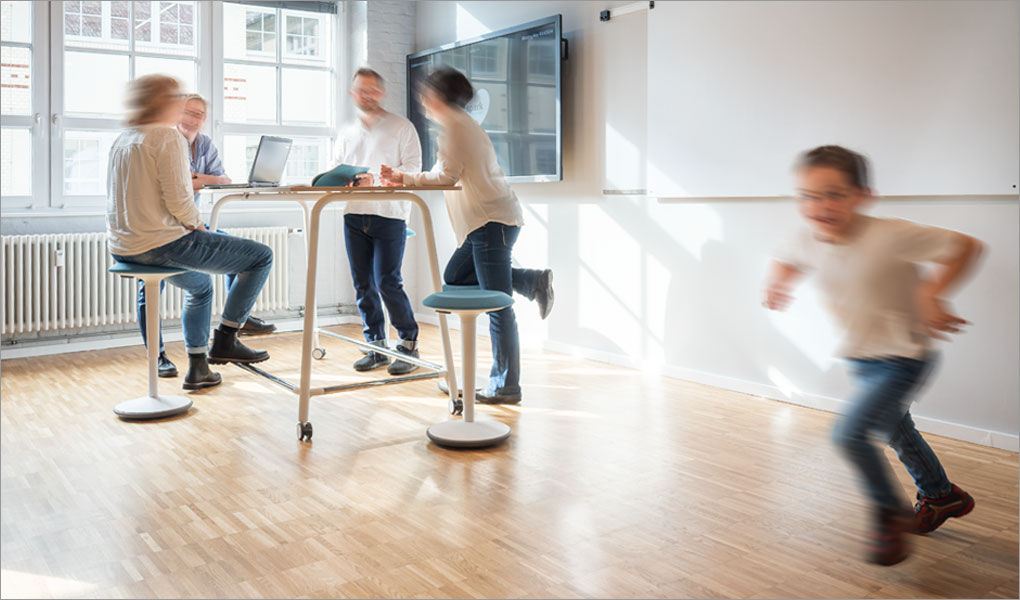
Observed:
{"x":870,"y":282}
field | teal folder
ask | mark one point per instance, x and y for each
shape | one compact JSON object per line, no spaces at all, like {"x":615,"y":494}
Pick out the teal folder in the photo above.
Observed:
{"x":338,"y":176}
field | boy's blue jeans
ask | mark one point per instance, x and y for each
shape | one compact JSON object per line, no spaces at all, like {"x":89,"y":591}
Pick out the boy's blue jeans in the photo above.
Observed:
{"x":204,"y":252}
{"x":375,"y":251}
{"x":484,"y":260}
{"x":880,"y":408}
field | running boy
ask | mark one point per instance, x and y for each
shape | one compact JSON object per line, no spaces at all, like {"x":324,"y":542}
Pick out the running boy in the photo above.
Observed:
{"x":868,"y":270}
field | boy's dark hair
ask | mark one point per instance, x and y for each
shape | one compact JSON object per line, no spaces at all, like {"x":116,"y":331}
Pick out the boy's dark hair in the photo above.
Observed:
{"x":854,"y":165}
{"x":366,"y":72}
{"x":450,"y":85}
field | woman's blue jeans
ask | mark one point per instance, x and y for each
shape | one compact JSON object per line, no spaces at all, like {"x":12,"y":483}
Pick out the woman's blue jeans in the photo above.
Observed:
{"x":202,"y":253}
{"x":484,"y":260}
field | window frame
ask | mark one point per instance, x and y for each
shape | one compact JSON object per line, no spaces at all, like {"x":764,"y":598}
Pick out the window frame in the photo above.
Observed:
{"x":334,"y":63}
{"x":48,"y":122}
{"x":36,"y":122}
{"x":61,"y":122}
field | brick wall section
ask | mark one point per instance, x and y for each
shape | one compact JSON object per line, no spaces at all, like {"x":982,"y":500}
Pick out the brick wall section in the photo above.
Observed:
{"x":391,"y":37}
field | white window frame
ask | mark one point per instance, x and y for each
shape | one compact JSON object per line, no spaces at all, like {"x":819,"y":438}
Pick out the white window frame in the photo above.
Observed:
{"x":60,"y":122}
{"x":47,"y":123}
{"x":36,"y":122}
{"x":334,"y":62}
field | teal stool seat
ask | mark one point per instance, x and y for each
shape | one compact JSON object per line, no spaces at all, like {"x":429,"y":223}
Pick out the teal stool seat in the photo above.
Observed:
{"x":468,"y":299}
{"x":153,"y":406}
{"x":447,"y":287}
{"x":467,"y":304}
{"x":137,"y":270}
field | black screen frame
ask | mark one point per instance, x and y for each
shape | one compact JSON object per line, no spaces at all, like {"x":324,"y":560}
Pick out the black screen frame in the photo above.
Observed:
{"x":557,"y":22}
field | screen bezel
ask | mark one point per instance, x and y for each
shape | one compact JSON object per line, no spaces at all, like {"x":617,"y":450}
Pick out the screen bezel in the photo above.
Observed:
{"x":556,"y":20}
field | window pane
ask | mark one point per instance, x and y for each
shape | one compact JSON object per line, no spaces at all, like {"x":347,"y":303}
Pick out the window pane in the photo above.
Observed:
{"x":249,"y":93}
{"x":16,"y":81}
{"x":306,"y":96}
{"x":15,"y":162}
{"x":16,"y":21}
{"x":307,"y":38}
{"x":84,"y":25}
{"x":238,"y":152}
{"x":181,"y":68}
{"x":171,"y":37}
{"x":308,"y":157}
{"x":248,"y":34}
{"x":85,"y":160}
{"x":94,"y":84}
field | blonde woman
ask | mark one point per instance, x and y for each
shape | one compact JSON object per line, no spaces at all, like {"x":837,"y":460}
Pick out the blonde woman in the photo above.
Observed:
{"x":151,"y":219}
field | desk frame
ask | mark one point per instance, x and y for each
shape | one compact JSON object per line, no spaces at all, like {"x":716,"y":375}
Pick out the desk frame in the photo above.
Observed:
{"x":313,"y":201}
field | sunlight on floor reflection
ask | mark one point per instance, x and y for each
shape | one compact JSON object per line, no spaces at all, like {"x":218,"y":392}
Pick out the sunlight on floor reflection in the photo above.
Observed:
{"x":17,"y":584}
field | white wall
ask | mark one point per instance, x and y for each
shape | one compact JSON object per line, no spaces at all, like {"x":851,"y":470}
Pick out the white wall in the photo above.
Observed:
{"x":675,"y":287}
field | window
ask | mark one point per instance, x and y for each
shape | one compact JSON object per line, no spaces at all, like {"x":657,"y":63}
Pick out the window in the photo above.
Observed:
{"x":260,"y":32}
{"x":278,"y":79}
{"x":162,"y":40}
{"x":62,"y":101}
{"x":19,"y":97}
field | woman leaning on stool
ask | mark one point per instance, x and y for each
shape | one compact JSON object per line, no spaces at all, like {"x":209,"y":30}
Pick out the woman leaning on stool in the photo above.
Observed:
{"x":151,"y":219}
{"x":486,"y":218}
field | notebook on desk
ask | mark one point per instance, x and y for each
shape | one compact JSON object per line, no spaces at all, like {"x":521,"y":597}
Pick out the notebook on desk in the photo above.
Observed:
{"x":267,"y":168}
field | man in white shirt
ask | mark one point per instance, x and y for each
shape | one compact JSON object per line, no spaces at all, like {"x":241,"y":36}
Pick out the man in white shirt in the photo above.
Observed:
{"x":375,"y":232}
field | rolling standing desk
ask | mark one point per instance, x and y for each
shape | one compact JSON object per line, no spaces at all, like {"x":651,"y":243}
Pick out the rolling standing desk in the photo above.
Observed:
{"x":312,"y":201}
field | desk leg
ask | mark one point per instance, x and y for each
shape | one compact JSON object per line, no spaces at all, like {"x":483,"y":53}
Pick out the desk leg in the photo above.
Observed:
{"x":308,"y":335}
{"x":318,"y":351}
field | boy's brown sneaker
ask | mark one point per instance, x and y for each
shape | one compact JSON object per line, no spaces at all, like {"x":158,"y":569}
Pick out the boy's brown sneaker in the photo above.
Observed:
{"x":887,"y":544}
{"x":930,"y":513}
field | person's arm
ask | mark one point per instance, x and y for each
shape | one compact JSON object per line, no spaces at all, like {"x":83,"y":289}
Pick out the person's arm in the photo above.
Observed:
{"x":951,"y":270}
{"x":410,"y":150}
{"x":214,"y":172}
{"x":174,"y":175}
{"x":779,"y":286}
{"x":447,"y":170}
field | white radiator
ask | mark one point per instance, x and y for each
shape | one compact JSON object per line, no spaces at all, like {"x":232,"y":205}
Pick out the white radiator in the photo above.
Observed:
{"x":60,"y":281}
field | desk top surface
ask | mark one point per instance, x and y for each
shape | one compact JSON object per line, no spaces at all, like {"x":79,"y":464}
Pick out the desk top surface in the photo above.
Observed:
{"x":328,"y":190}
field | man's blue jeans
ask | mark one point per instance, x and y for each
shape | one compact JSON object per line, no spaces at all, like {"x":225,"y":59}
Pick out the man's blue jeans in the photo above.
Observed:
{"x":375,"y":251}
{"x":881,"y":408}
{"x":204,"y":252}
{"x":484,"y":260}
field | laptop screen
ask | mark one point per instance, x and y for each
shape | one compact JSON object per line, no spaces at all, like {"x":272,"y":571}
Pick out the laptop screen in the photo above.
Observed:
{"x":270,"y":160}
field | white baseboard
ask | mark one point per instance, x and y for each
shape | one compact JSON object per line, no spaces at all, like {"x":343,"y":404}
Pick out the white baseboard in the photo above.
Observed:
{"x":966,"y":433}
{"x":132,"y":338}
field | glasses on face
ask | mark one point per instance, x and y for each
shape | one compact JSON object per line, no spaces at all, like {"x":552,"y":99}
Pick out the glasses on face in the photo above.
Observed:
{"x":830,"y":195}
{"x":195,"y":115}
{"x":366,"y":91}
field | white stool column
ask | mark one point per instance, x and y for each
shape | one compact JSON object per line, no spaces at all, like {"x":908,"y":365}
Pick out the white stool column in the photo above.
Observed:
{"x":468,"y":432}
{"x":152,"y":406}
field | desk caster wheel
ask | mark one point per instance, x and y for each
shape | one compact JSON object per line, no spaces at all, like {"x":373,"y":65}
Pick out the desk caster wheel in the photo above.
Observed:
{"x":319,"y":353}
{"x":304,"y":432}
{"x":456,"y":406}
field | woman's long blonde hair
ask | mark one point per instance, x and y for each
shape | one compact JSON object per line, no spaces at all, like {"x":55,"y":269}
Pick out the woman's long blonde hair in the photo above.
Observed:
{"x":148,"y":96}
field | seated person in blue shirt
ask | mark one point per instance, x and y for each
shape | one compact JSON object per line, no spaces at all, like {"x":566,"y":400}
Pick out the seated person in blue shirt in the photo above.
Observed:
{"x":206,"y":169}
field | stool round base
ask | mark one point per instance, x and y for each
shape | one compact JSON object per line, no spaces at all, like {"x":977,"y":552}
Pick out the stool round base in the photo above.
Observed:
{"x":147,"y":407}
{"x":462,"y":434}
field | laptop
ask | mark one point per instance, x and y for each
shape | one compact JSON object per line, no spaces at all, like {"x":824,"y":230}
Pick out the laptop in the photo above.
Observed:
{"x":267,"y":168}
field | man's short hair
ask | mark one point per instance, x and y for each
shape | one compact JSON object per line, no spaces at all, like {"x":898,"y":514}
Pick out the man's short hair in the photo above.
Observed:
{"x":366,"y":72}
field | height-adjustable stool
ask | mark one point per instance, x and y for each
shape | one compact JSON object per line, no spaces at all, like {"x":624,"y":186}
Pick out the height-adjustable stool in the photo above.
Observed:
{"x":468,"y":304}
{"x":152,"y":406}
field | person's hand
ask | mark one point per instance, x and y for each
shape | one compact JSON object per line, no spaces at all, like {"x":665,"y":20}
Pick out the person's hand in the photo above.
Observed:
{"x":391,"y":176}
{"x":363,"y":180}
{"x":777,"y":295}
{"x":199,"y":227}
{"x":937,"y":317}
